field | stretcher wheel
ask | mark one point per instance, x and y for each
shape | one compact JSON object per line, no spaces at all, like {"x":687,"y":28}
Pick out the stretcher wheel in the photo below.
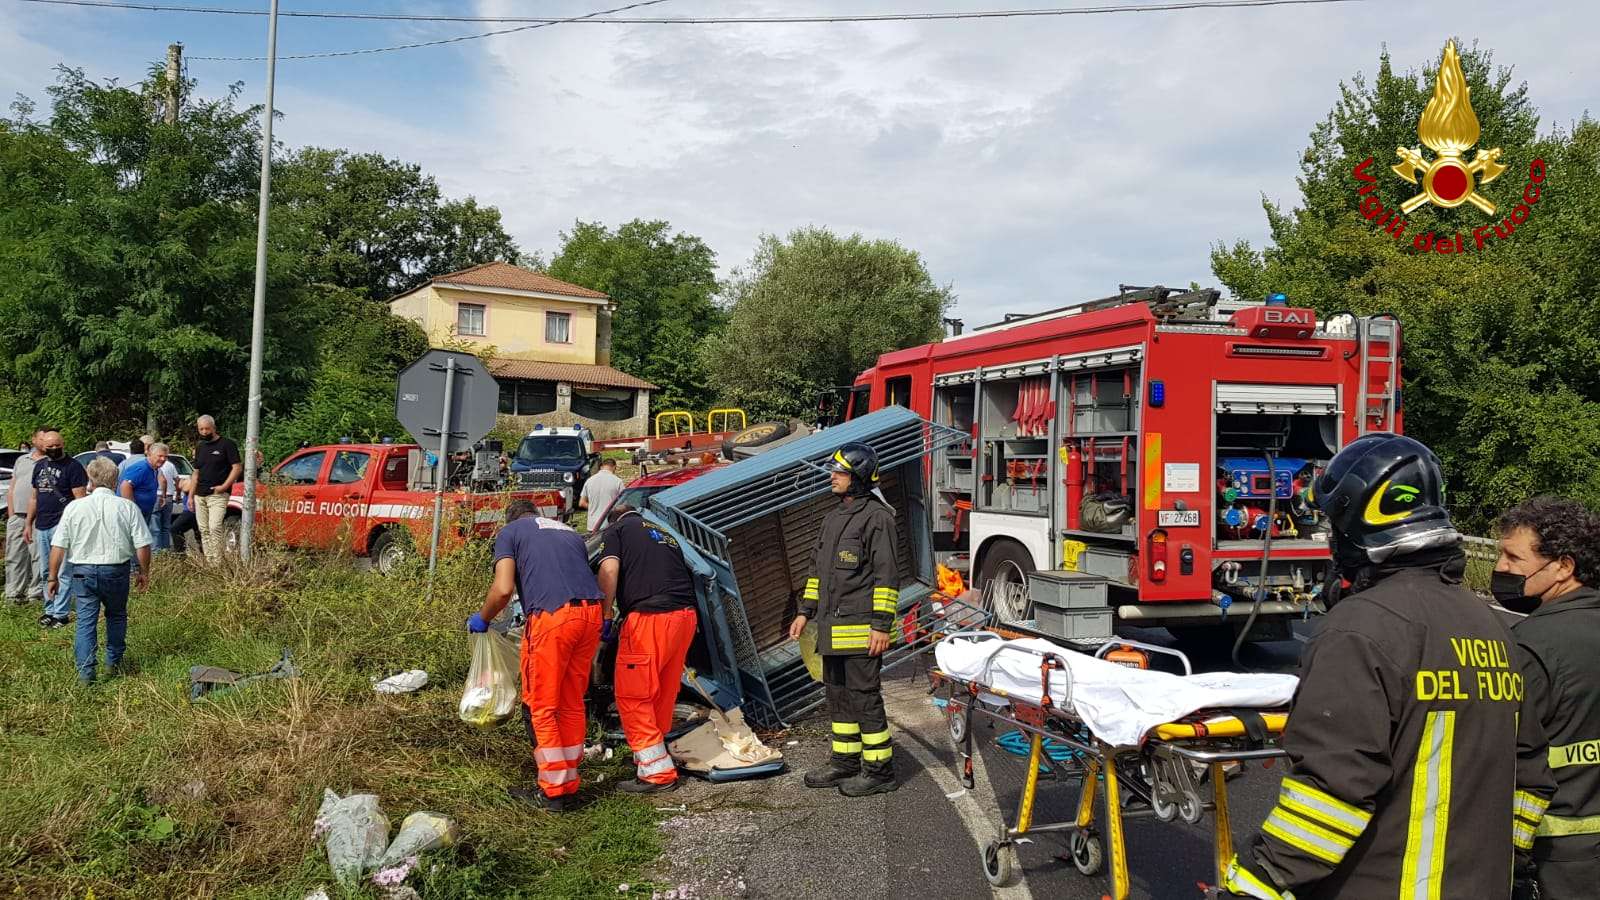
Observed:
{"x":997,"y":863}
{"x":1088,"y":855}
{"x":1164,"y":811}
{"x":958,"y":727}
{"x":1190,"y":808}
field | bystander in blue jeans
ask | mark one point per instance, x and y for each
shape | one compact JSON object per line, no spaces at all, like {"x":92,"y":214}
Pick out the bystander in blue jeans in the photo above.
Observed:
{"x":160,"y":523}
{"x":59,"y":605}
{"x":95,"y":588}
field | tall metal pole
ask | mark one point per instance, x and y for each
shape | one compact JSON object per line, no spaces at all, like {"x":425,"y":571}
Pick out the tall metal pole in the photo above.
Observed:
{"x":258,"y":317}
{"x":442,"y":469}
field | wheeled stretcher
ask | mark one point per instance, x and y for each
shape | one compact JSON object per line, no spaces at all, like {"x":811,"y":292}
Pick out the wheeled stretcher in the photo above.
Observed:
{"x":1163,"y":769}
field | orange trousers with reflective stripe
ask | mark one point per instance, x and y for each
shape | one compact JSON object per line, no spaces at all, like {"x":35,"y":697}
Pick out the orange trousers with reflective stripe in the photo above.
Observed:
{"x":650,"y":656}
{"x":557,"y":650}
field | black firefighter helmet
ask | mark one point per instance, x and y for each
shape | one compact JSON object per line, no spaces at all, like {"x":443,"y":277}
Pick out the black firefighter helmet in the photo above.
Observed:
{"x":1383,"y":495}
{"x":860,"y":461}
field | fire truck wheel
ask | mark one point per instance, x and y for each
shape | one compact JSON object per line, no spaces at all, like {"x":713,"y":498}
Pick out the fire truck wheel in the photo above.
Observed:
{"x":1004,"y":581}
{"x":754,"y":436}
{"x":386,"y":553}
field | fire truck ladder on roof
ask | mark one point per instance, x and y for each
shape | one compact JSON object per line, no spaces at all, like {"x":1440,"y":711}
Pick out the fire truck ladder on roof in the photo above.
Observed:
{"x":1379,"y":407}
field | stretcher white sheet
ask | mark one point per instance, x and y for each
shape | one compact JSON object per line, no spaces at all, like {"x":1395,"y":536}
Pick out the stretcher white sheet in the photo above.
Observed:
{"x":1118,"y":704}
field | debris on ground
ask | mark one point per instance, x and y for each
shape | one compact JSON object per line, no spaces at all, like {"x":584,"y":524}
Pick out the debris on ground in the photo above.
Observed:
{"x":204,"y":680}
{"x":356,"y":833}
{"x":404,"y":683}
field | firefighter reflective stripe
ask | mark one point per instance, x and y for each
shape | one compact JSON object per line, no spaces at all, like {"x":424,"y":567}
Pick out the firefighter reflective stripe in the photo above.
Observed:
{"x":1325,"y":844}
{"x":1422,"y":874}
{"x":846,"y":738}
{"x":1583,"y":753}
{"x":1322,"y":808}
{"x":875,"y":747}
{"x":812,"y":590}
{"x":548,"y":777}
{"x":885,"y":600}
{"x":1243,"y":882}
{"x":850,"y":637}
{"x":1526,"y":812}
{"x":546,"y":755}
{"x":653,"y":760}
{"x":1563,"y":826}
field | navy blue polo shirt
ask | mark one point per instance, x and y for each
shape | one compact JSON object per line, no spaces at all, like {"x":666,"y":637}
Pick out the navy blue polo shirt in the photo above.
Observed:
{"x":552,"y":563}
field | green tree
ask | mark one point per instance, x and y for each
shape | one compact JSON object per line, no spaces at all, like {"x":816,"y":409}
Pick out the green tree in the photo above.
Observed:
{"x":372,"y":223}
{"x":813,"y":310}
{"x":1499,"y":343}
{"x":663,"y":286}
{"x":127,"y":262}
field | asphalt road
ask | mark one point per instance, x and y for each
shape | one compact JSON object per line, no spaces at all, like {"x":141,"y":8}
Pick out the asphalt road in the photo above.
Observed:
{"x":1165,"y":860}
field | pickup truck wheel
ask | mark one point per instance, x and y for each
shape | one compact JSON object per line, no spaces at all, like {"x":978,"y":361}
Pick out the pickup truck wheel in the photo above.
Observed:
{"x":754,"y":436}
{"x":386,"y":553}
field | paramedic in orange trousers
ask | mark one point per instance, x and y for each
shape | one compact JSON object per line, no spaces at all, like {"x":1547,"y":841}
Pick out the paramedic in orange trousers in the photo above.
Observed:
{"x":544,"y":562}
{"x":642,"y":570}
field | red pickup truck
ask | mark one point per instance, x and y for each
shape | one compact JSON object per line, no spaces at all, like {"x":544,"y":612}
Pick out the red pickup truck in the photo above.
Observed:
{"x":362,"y":496}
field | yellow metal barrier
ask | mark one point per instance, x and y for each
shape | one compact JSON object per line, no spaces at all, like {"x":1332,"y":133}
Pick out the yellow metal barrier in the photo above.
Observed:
{"x":673,"y":417}
{"x":727,"y":415}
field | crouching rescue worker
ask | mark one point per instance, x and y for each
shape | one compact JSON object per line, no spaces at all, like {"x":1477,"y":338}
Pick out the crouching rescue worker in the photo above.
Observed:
{"x":853,"y":596}
{"x":1549,"y":568}
{"x":1409,"y":768}
{"x":544,"y":562}
{"x":643,"y":572}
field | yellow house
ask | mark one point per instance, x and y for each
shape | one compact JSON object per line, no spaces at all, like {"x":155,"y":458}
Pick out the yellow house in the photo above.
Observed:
{"x":551,"y":344}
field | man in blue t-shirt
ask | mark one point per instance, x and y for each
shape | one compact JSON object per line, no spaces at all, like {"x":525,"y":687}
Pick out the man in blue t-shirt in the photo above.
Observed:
{"x":546,"y":564}
{"x":58,"y":479}
{"x":141,"y":478}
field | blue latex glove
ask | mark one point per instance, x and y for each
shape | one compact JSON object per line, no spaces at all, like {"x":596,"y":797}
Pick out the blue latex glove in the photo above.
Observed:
{"x":476,"y":624}
{"x":608,"y":631}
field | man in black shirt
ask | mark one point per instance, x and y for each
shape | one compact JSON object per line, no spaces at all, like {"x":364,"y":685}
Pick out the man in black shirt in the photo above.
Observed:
{"x":216,"y":468}
{"x":642,"y":570}
{"x":58,"y":479}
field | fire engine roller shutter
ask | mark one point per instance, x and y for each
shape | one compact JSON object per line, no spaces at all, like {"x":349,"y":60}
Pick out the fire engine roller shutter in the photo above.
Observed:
{"x":1281,"y":399}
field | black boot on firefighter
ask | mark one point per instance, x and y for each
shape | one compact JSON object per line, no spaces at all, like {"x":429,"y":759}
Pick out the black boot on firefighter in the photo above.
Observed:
{"x":845,"y":763}
{"x":831,"y":775}
{"x":877,"y":767}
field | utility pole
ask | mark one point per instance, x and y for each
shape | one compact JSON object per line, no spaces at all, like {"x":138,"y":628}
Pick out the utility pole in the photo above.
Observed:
{"x":174,"y":81}
{"x":258,"y":317}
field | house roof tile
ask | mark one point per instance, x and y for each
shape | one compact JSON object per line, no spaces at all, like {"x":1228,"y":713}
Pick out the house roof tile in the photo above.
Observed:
{"x":505,"y":275}
{"x":573,"y":373}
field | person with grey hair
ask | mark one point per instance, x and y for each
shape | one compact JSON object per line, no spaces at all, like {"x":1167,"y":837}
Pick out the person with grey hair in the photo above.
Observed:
{"x":100,"y":536}
{"x":217,"y":465}
{"x":23,"y":581}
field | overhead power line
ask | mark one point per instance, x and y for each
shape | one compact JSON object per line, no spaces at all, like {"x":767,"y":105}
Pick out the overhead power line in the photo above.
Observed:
{"x":595,"y":18}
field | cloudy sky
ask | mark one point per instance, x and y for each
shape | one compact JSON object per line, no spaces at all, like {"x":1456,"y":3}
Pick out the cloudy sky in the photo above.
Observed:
{"x":1033,"y":162}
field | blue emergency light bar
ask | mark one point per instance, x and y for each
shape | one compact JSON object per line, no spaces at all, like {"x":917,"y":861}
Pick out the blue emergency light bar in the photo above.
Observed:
{"x":1279,"y":299}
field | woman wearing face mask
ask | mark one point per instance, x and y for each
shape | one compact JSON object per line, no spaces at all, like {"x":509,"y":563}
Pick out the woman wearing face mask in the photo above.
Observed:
{"x":1548,"y":567}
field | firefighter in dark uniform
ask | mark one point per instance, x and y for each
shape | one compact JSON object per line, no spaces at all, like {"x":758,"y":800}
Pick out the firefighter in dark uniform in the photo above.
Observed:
{"x":853,"y":597}
{"x":1548,"y":568}
{"x":1409,"y":764}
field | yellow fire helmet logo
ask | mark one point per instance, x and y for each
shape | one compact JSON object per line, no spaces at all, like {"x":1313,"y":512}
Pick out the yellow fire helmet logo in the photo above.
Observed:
{"x":1449,"y":127}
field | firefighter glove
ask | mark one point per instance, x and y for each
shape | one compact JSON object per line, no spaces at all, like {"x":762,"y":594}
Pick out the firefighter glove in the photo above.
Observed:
{"x":476,"y":624}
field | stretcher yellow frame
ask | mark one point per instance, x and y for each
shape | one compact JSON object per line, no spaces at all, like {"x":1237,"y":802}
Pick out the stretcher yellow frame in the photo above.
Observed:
{"x":1214,"y":741}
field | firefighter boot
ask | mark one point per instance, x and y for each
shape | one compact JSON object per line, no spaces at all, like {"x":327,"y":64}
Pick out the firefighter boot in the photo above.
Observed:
{"x":834,"y":773}
{"x":868,"y":783}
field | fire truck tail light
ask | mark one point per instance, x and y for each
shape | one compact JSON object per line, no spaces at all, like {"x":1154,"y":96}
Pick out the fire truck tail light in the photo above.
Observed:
{"x":1158,"y":555}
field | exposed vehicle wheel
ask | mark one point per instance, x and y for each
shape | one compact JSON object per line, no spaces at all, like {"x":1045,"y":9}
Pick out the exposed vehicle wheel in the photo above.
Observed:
{"x":754,"y":436}
{"x":1087,"y":853}
{"x":1004,"y":581}
{"x":997,"y":863}
{"x":233,"y":527}
{"x":386,"y":553}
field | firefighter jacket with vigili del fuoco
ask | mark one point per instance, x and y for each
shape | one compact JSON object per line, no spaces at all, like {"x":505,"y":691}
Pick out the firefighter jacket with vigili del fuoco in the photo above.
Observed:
{"x":1562,"y":667}
{"x":855,"y":588}
{"x":1410,"y":768}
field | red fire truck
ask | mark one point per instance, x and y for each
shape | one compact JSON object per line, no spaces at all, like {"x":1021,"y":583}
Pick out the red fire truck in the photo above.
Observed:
{"x":363,"y":496}
{"x":1148,"y":450}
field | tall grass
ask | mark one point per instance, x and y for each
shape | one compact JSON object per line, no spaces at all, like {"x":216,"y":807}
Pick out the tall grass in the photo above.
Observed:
{"x":127,"y":790}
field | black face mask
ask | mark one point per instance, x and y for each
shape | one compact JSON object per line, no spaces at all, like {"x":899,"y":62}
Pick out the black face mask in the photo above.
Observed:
{"x":1510,"y":590}
{"x":55,"y":453}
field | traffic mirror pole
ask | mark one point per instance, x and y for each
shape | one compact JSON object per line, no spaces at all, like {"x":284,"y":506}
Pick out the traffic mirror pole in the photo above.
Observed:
{"x":258,"y":316}
{"x":441,"y":468}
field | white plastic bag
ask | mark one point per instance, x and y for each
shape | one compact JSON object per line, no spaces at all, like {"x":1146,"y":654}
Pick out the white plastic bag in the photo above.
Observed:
{"x":356,"y":831}
{"x":492,"y":681}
